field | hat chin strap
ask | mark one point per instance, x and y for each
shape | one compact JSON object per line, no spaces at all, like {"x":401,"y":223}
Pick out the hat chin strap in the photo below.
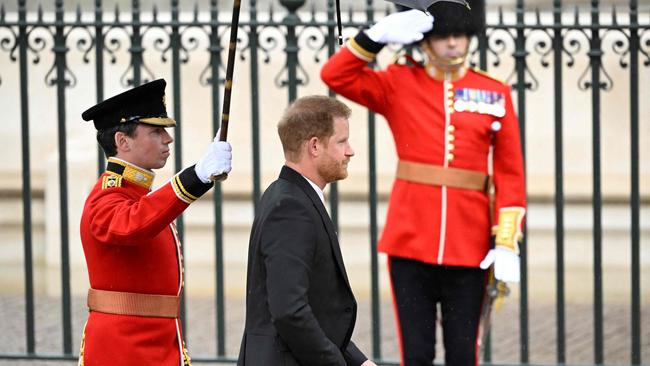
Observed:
{"x":450,"y":69}
{"x":446,"y":63}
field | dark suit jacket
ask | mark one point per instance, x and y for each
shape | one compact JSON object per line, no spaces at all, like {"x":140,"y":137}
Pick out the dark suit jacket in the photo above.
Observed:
{"x":300,"y":309}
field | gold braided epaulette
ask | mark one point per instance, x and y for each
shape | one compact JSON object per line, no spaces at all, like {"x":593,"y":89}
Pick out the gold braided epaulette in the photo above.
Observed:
{"x":111,"y":181}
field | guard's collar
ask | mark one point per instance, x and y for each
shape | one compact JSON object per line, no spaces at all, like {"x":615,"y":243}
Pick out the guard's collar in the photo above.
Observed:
{"x":132,"y":173}
{"x":443,"y":75}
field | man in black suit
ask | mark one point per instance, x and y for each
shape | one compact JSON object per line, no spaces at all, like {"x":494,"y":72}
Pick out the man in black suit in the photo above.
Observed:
{"x":300,"y":309}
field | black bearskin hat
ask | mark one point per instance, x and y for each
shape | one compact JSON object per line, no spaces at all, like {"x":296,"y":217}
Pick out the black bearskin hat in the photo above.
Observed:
{"x":452,"y":18}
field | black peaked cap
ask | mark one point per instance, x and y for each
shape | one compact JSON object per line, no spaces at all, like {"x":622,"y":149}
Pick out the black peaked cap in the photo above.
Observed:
{"x":142,"y":104}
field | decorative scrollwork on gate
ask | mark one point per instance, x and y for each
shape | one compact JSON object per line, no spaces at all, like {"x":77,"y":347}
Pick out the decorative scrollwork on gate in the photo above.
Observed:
{"x":141,"y":39}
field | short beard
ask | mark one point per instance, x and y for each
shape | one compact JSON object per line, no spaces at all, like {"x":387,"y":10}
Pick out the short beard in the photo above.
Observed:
{"x":332,"y":171}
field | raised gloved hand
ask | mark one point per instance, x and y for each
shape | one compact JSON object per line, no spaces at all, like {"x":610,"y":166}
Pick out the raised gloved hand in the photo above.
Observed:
{"x":217,"y":160}
{"x":506,"y":264}
{"x":403,"y":27}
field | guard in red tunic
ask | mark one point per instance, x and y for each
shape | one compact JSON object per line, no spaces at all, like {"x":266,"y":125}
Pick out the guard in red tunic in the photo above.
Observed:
{"x":447,"y":120}
{"x":129,"y":239}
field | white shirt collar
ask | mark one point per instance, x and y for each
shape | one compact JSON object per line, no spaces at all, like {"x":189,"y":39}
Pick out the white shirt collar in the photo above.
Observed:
{"x":317,"y":189}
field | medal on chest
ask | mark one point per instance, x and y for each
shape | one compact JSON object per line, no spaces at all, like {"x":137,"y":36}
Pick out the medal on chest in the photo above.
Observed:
{"x":480,"y":101}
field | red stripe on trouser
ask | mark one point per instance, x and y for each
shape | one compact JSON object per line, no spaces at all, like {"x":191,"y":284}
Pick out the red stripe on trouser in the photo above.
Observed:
{"x":478,"y":327}
{"x":397,"y":323}
{"x":476,"y":346}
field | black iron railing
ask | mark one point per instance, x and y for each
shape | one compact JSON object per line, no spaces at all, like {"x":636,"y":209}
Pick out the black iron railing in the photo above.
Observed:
{"x":557,"y":40}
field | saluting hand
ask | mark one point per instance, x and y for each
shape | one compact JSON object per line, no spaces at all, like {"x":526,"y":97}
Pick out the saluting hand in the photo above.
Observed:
{"x":404,"y":27}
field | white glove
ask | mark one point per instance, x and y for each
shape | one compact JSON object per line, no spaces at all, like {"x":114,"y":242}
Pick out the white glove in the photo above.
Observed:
{"x":217,"y":160}
{"x":403,"y":27}
{"x":506,"y":264}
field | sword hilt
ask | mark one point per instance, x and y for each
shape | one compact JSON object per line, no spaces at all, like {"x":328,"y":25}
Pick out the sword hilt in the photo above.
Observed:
{"x":218,"y":178}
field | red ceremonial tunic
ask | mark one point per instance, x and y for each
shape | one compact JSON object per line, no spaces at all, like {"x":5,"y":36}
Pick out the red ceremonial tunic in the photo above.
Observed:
{"x":131,"y":245}
{"x":448,"y":123}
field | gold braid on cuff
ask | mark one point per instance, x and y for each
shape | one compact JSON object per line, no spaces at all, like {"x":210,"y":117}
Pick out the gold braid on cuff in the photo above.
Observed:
{"x":508,"y":233}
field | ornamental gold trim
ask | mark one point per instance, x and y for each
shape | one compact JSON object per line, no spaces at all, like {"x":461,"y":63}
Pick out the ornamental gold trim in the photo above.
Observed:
{"x":508,"y":233}
{"x":359,"y":51}
{"x":134,"y":174}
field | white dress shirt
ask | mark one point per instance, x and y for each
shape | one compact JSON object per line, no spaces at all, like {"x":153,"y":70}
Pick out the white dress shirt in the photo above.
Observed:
{"x":317,"y":189}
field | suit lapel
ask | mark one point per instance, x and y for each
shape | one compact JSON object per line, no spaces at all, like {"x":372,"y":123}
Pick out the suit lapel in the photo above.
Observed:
{"x":295,"y":177}
{"x":334,"y":241}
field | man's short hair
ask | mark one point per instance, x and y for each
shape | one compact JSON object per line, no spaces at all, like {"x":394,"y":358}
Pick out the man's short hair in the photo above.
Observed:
{"x":307,"y":117}
{"x":106,"y":136}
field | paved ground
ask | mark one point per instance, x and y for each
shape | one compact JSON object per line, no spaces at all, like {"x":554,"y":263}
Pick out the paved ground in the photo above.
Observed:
{"x":201,"y":333}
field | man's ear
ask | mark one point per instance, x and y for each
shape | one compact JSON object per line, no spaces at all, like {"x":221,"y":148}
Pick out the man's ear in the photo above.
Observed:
{"x":122,"y":141}
{"x":313,"y":146}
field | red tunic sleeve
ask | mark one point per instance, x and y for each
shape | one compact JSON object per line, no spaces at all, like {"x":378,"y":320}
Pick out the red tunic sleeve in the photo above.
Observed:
{"x":508,"y":162}
{"x":120,"y":217}
{"x":347,"y":73}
